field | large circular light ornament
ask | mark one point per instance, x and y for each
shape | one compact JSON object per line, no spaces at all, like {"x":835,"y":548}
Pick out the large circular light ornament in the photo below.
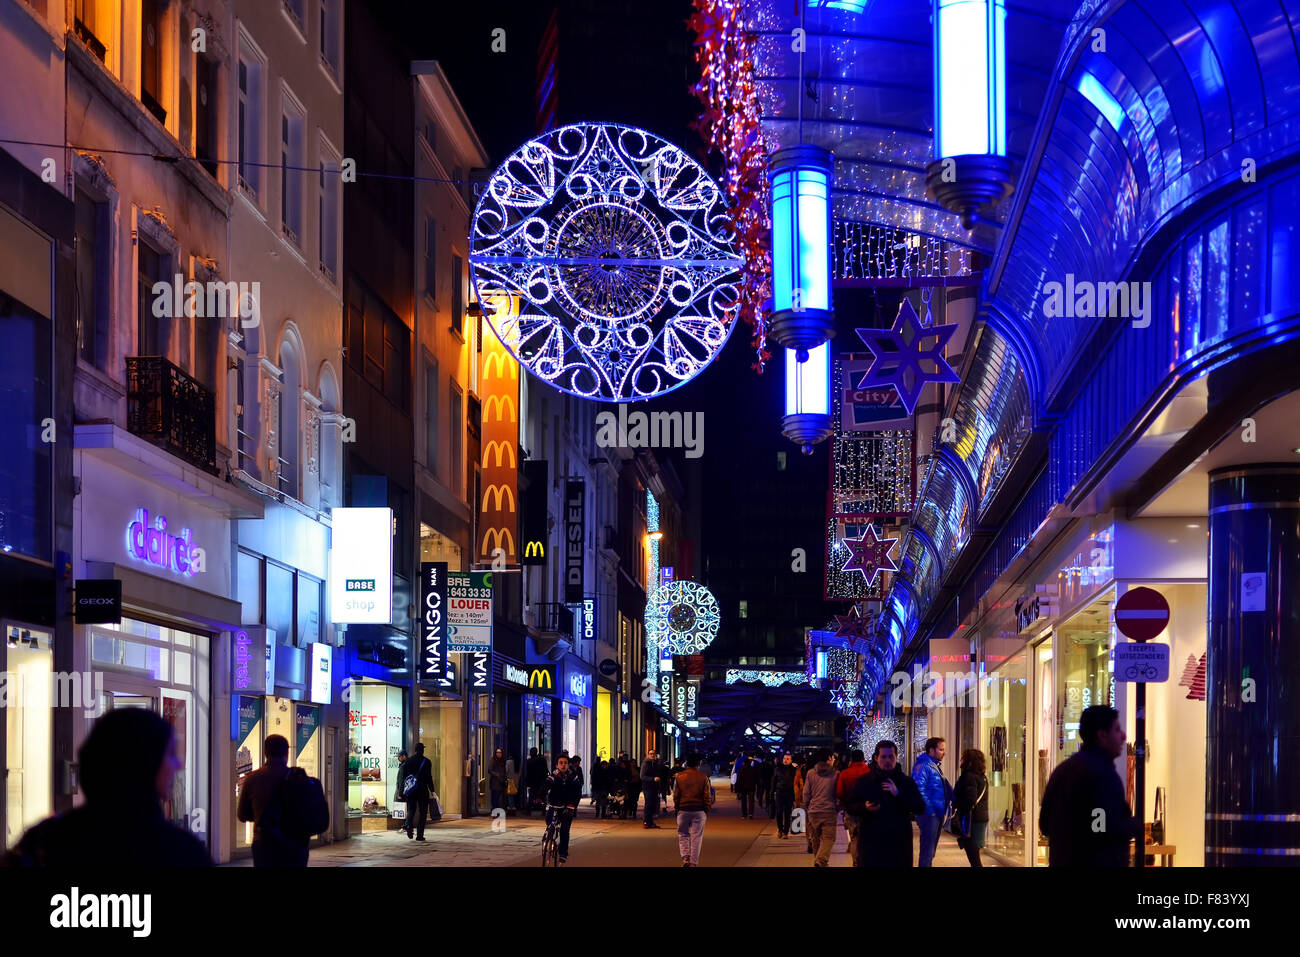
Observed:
{"x":604,"y":258}
{"x":689,"y":617}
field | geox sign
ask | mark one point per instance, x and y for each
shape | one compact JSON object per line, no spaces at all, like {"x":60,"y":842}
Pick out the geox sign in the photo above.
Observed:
{"x":433,"y":623}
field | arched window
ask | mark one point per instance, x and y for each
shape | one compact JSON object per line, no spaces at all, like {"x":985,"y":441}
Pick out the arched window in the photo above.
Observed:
{"x":290,"y":400}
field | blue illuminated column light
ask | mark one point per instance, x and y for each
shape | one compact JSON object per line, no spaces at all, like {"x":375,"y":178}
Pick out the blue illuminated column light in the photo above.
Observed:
{"x":807,"y":419}
{"x":970,"y":171}
{"x":801,"y":316}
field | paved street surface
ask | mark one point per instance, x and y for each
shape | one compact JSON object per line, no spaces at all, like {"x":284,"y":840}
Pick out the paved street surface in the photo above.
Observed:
{"x":729,"y":841}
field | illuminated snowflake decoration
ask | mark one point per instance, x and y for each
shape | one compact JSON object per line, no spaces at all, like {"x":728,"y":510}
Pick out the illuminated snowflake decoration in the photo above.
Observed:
{"x":773,"y":679}
{"x":605,"y":260}
{"x":688,"y":619}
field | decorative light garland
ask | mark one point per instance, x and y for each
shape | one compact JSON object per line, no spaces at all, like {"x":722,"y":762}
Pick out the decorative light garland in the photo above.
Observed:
{"x":879,"y":251}
{"x":772,"y":679}
{"x":730,"y":124}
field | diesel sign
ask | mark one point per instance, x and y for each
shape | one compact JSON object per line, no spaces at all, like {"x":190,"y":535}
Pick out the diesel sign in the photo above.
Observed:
{"x":575,"y":513}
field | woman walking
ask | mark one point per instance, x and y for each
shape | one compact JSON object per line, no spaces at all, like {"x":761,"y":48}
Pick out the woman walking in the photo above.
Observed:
{"x":971,"y":806}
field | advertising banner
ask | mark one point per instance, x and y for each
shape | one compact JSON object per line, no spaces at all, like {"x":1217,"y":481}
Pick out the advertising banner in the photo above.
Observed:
{"x":869,"y":409}
{"x":575,"y":531}
{"x":433,"y":623}
{"x":532,"y":512}
{"x":361,"y":566}
{"x":498,"y":520}
{"x":469,"y":611}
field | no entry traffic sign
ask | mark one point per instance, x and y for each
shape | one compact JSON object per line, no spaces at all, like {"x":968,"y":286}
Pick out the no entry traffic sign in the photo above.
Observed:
{"x":1141,"y":614}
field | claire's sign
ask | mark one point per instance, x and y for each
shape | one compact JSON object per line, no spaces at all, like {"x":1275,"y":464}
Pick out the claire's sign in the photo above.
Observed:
{"x":151,"y":542}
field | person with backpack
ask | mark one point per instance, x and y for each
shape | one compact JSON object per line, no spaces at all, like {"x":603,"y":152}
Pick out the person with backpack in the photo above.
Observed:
{"x":285,"y":806}
{"x":415,"y":781}
{"x":970,"y":800}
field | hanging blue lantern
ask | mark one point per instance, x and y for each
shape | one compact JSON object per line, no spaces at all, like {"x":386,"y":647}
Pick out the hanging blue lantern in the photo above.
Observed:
{"x":801,"y":249}
{"x":807,"y":419}
{"x":971,"y":170}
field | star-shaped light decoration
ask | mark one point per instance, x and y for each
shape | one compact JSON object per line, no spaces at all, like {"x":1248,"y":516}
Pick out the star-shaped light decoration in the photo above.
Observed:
{"x":869,"y":555}
{"x":853,"y":625}
{"x":908,"y":357}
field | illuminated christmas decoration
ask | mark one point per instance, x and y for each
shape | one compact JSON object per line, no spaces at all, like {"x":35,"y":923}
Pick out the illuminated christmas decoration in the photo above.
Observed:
{"x":652,"y":605}
{"x":687,"y":620}
{"x":877,"y":251}
{"x":725,"y":51}
{"x":854,"y":624}
{"x":802,"y":318}
{"x":807,"y":419}
{"x":772,"y":679}
{"x":770,"y":732}
{"x":971,"y":170}
{"x":615,"y":253}
{"x":908,"y":356}
{"x":869,"y":555}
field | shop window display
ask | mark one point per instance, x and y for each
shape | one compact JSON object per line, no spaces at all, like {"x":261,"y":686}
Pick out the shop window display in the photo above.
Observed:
{"x":1003,"y":718}
{"x":376,"y":734}
{"x":29,"y":738}
{"x":257,"y":719}
{"x":146,"y":665}
{"x":1083,"y":676}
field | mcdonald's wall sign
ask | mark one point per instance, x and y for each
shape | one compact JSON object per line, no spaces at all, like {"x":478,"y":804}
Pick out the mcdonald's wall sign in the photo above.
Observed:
{"x":532,"y":516}
{"x":498,"y":520}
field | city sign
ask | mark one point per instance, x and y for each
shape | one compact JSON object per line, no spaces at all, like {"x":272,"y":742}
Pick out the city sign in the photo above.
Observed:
{"x":361,"y":566}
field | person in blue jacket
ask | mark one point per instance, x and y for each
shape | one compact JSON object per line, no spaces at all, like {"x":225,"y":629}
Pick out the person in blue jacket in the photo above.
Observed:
{"x":927,"y":772}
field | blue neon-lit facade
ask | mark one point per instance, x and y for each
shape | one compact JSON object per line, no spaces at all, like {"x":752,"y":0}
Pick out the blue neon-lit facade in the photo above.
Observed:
{"x":970,"y":77}
{"x":1141,"y":175}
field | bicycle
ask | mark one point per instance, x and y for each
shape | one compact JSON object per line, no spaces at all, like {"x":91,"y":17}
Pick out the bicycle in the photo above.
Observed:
{"x":551,"y":840}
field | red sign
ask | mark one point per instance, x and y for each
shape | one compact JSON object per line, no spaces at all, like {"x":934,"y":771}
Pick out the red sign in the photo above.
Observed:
{"x":1141,"y":614}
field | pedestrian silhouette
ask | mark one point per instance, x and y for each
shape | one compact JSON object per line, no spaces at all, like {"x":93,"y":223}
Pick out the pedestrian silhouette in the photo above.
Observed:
{"x":286,"y":806}
{"x":127,"y":765}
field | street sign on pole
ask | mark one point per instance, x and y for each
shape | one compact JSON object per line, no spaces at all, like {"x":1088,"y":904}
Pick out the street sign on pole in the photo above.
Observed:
{"x":1141,"y":661}
{"x":1141,"y":614}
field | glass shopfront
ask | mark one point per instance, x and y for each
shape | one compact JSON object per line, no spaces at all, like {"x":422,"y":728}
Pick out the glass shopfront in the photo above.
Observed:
{"x":1002,"y":716}
{"x":442,"y":729}
{"x":537,"y":725}
{"x":165,"y":669}
{"x":376,"y":734}
{"x":1083,"y":676}
{"x":27,"y":661}
{"x":259,"y":718}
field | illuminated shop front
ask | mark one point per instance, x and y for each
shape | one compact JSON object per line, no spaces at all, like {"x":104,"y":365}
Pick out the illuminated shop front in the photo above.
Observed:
{"x":172,"y":554}
{"x":258,"y":717}
{"x":27,"y":662}
{"x":376,"y":735}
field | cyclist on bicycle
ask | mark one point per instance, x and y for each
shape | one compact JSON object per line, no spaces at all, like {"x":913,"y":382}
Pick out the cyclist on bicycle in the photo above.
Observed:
{"x":563,"y":792}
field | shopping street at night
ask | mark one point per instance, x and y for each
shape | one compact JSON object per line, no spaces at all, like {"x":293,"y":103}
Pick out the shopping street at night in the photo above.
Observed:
{"x":604,"y":436}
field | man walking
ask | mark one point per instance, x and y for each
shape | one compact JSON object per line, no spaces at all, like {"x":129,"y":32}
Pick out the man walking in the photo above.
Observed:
{"x":746,"y":786}
{"x":843,"y":788}
{"x":927,"y":772}
{"x":885,"y":799}
{"x":415,"y":781}
{"x":535,"y":778}
{"x":692,"y":796}
{"x":1085,"y":814}
{"x":286,"y":807}
{"x":783,"y":794}
{"x":651,"y":774}
{"x":821,"y":807}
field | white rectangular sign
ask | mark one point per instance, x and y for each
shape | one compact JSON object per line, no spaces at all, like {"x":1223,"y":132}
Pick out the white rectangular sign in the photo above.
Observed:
{"x":321,"y":663}
{"x":1141,"y":661}
{"x":361,"y":566}
{"x":469,"y":611}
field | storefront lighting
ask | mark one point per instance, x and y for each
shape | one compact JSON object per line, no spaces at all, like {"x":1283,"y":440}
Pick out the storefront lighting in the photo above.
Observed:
{"x":970,"y":170}
{"x":807,"y":419}
{"x":655,"y":536}
{"x":626,"y":709}
{"x":801,"y":249}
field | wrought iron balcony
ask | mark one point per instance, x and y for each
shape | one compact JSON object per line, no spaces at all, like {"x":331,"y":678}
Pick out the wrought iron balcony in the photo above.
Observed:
{"x":553,"y":618}
{"x":172,"y":410}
